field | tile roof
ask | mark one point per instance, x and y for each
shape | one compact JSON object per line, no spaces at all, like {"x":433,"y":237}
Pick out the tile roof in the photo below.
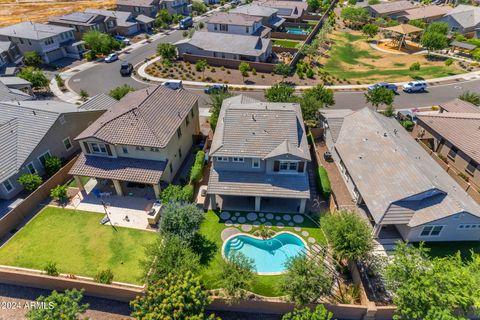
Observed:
{"x":124,"y":19}
{"x":291,"y":9}
{"x":392,"y":6}
{"x":147,"y":117}
{"x":123,"y":169}
{"x":249,"y":128}
{"x":138,"y":3}
{"x":390,"y":169}
{"x":144,"y":19}
{"x":255,"y":10}
{"x":77,"y":18}
{"x":101,"y":101}
{"x":424,"y":12}
{"x":9,"y":94}
{"x":467,"y":16}
{"x":33,"y":30}
{"x":459,"y":106}
{"x":238,"y":19}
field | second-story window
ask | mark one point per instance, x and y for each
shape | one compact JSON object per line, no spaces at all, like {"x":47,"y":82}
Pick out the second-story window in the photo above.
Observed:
{"x":179,"y":132}
{"x":222,"y":159}
{"x":139,"y":148}
{"x":125,"y":150}
{"x":237,"y":159}
{"x":100,"y":148}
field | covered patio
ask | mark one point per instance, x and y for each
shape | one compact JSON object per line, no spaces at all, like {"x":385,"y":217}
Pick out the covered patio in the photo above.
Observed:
{"x":402,"y":32}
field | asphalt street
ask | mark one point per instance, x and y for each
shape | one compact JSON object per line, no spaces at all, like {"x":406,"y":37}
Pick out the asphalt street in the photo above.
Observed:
{"x":103,"y":77}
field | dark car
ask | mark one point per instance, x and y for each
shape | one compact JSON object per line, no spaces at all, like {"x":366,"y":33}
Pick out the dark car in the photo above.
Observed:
{"x":126,"y":69}
{"x":389,"y":86}
{"x":216,"y":88}
{"x":328,"y":156}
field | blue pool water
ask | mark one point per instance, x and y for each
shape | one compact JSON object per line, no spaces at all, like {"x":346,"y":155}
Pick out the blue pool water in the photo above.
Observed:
{"x":297,"y":31}
{"x":268,"y":255}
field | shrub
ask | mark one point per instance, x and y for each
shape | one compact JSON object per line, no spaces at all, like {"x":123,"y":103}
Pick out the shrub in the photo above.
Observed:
{"x":60,"y":81}
{"x":449,"y":62}
{"x":51,"y":269}
{"x":324,"y":182}
{"x":32,"y":59}
{"x":52,"y":165}
{"x":104,"y":276}
{"x":83,"y":94}
{"x":59,"y":193}
{"x":415,"y":66}
{"x":30,"y":181}
{"x":197,"y":168}
{"x":181,"y":220}
{"x":175,"y":193}
{"x":408,"y":125}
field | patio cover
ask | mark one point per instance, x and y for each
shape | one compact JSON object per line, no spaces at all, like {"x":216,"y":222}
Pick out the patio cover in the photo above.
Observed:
{"x":463,"y":45}
{"x":122,"y":169}
{"x":404,"y":29}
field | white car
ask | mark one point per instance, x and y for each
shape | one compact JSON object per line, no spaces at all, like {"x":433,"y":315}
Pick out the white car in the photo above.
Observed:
{"x":111,"y":57}
{"x":415,"y":86}
{"x":173,"y":84}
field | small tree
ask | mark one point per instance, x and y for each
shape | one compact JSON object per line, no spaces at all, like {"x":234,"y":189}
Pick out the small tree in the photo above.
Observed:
{"x":30,"y":181}
{"x":236,"y":275}
{"x":181,"y":220}
{"x":32,"y":59}
{"x":434,"y":41}
{"x":438,"y":27}
{"x":389,"y":111}
{"x":59,"y":193}
{"x":349,"y":235}
{"x":35,"y":76}
{"x":216,"y":101}
{"x":280,"y":92}
{"x":370,"y":30}
{"x":52,"y":165}
{"x":167,"y":51}
{"x":313,"y":100}
{"x":282,"y":69}
{"x":472,"y":97}
{"x":200,"y":66}
{"x":65,"y":306}
{"x":121,"y":91}
{"x":319,"y":313}
{"x":83,"y":94}
{"x":175,"y":193}
{"x":355,"y":16}
{"x":313,"y":5}
{"x":378,"y":96}
{"x":104,"y":276}
{"x":177,"y":296}
{"x":306,"y":280}
{"x":99,"y":42}
{"x":415,"y":66}
{"x":51,"y":269}
{"x":244,"y":67}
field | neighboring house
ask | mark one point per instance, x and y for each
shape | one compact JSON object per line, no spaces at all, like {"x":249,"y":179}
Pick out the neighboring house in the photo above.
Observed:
{"x":454,"y":134}
{"x":260,"y":156}
{"x":269,"y":15}
{"x":389,"y":8}
{"x":148,"y":8}
{"x":51,"y":42}
{"x":426,"y":13}
{"x":17,"y":83}
{"x":226,"y":46}
{"x":9,"y":54}
{"x":82,"y":22}
{"x":182,"y":7}
{"x":141,"y":140}
{"x":237,"y":23}
{"x":464,"y":19}
{"x":100,"y":101}
{"x":12,"y":94}
{"x":31,"y":131}
{"x":290,"y":10}
{"x":126,"y":23}
{"x":401,"y":186}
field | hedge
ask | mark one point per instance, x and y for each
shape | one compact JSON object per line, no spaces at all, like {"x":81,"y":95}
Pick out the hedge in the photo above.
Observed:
{"x":197,"y":168}
{"x":324,"y":183}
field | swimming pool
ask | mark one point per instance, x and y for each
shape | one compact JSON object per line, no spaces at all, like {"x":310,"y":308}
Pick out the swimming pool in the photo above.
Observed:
{"x":297,"y":31}
{"x":270,"y":255}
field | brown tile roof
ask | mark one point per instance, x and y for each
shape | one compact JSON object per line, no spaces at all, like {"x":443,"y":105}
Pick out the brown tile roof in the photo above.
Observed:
{"x":139,"y":3}
{"x":147,"y":117}
{"x":392,"y":6}
{"x":238,"y":19}
{"x":458,"y":105}
{"x":460,"y":129}
{"x":424,"y":12}
{"x":123,"y":169}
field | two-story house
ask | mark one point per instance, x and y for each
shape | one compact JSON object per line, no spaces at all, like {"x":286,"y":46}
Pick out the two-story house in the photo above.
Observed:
{"x":290,"y":10}
{"x":141,"y":140}
{"x":269,"y":15}
{"x":126,"y":24}
{"x":182,"y":7}
{"x":148,"y":8}
{"x":237,"y":23}
{"x":82,"y":22}
{"x":9,"y":54}
{"x":31,"y":131}
{"x":50,"y":41}
{"x":464,"y":19}
{"x":260,"y":156}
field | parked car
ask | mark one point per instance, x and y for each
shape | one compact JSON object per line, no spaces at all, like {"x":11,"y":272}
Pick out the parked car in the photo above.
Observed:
{"x":186,"y":23}
{"x":415,"y":86}
{"x":173,"y":84}
{"x":126,"y":69}
{"x":389,"y":86}
{"x":122,"y":39}
{"x":216,"y":88}
{"x":111,"y":57}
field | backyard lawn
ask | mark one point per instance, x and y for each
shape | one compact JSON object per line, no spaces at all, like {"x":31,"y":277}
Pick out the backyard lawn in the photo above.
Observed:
{"x":79,"y":244}
{"x":352,"y":58}
{"x":286,"y":43}
{"x":443,"y":249}
{"x":212,"y":228}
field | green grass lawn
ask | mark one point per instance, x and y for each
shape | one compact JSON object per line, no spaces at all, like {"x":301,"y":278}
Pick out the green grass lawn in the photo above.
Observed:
{"x":311,"y":22}
{"x":212,"y":228}
{"x":286,"y":43}
{"x":443,"y":249}
{"x":79,"y":244}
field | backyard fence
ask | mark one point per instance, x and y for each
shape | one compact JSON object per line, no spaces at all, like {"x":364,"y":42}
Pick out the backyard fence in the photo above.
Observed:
{"x":289,"y":36}
{"x":282,"y":49}
{"x":229,"y":63}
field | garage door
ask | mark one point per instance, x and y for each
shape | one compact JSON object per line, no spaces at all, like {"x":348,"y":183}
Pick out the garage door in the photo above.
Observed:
{"x":133,"y":29}
{"x":55,"y":55}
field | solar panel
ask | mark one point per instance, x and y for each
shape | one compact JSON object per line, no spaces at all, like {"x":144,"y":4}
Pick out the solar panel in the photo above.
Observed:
{"x":78,"y":16}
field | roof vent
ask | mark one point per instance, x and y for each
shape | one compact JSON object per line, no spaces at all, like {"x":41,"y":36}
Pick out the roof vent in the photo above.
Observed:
{"x":253,"y":117}
{"x":384,"y":134}
{"x":33,"y":111}
{"x":178,"y":114}
{"x":395,"y":131}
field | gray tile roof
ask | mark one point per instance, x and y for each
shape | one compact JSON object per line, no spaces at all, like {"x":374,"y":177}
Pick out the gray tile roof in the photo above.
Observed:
{"x":389,"y":167}
{"x":124,"y":19}
{"x":147,"y":117}
{"x":123,"y":169}
{"x":144,"y":19}
{"x":290,"y":9}
{"x":258,"y":184}
{"x":392,"y":6}
{"x":335,"y":120}
{"x":8,"y":94}
{"x":424,"y":12}
{"x":138,"y":3}
{"x":459,"y":106}
{"x":228,"y":43}
{"x":259,"y":129}
{"x":255,"y":10}
{"x":77,"y":18}
{"x":33,"y":30}
{"x":13,"y":81}
{"x":238,"y":19}
{"x":101,"y":101}
{"x":467,"y":16}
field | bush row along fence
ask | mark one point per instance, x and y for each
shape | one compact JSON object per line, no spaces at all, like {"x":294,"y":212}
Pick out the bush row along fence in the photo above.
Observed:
{"x":276,"y":49}
{"x":229,"y":63}
{"x":289,"y":36}
{"x":16,"y":216}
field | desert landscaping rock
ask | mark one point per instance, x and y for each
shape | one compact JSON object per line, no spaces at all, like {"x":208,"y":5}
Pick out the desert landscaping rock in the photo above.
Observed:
{"x":298,"y":218}
{"x":225,"y":215}
{"x":237,"y":214}
{"x":252,"y":216}
{"x":278,"y":218}
{"x":261,"y":214}
{"x":263,"y":219}
{"x":291,"y":224}
{"x":246,"y":227}
{"x":228,"y":232}
{"x":234,"y":218}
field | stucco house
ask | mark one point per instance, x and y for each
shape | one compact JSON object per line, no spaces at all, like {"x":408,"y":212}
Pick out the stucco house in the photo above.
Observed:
{"x":260,"y":156}
{"x":50,"y":41}
{"x":148,"y":8}
{"x":395,"y":179}
{"x":127,"y":24}
{"x":427,"y":13}
{"x":9,"y":55}
{"x":140,"y":141}
{"x":290,"y":10}
{"x":237,"y":23}
{"x":464,"y":19}
{"x":182,"y":7}
{"x":31,"y":131}
{"x":269,"y":15}
{"x":454,"y":134}
{"x":82,"y":22}
{"x":388,"y":8}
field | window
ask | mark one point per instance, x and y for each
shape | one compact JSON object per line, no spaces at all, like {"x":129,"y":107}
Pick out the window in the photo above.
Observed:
{"x":237,"y":159}
{"x":431,"y":231}
{"x":179,"y":132}
{"x":215,"y":27}
{"x":222,"y":159}
{"x":98,"y":148}
{"x":136,"y":9}
{"x":180,"y":152}
{"x":21,"y":40}
{"x":471,"y":167}
{"x":255,"y":163}
{"x":247,"y":30}
{"x":154,"y":149}
{"x":8,"y":186}
{"x":452,"y":153}
{"x":288,"y":166}
{"x":468,"y":226}
{"x":44,"y":157}
{"x":224,"y":27}
{"x":31,"y":168}
{"x":139,"y":148}
{"x":67,"y":143}
{"x":125,"y":150}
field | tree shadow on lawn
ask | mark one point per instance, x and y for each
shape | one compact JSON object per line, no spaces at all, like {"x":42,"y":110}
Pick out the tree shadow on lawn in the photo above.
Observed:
{"x":205,"y":248}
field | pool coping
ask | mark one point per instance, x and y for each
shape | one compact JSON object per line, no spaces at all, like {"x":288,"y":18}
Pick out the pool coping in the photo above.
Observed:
{"x":260,"y":238}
